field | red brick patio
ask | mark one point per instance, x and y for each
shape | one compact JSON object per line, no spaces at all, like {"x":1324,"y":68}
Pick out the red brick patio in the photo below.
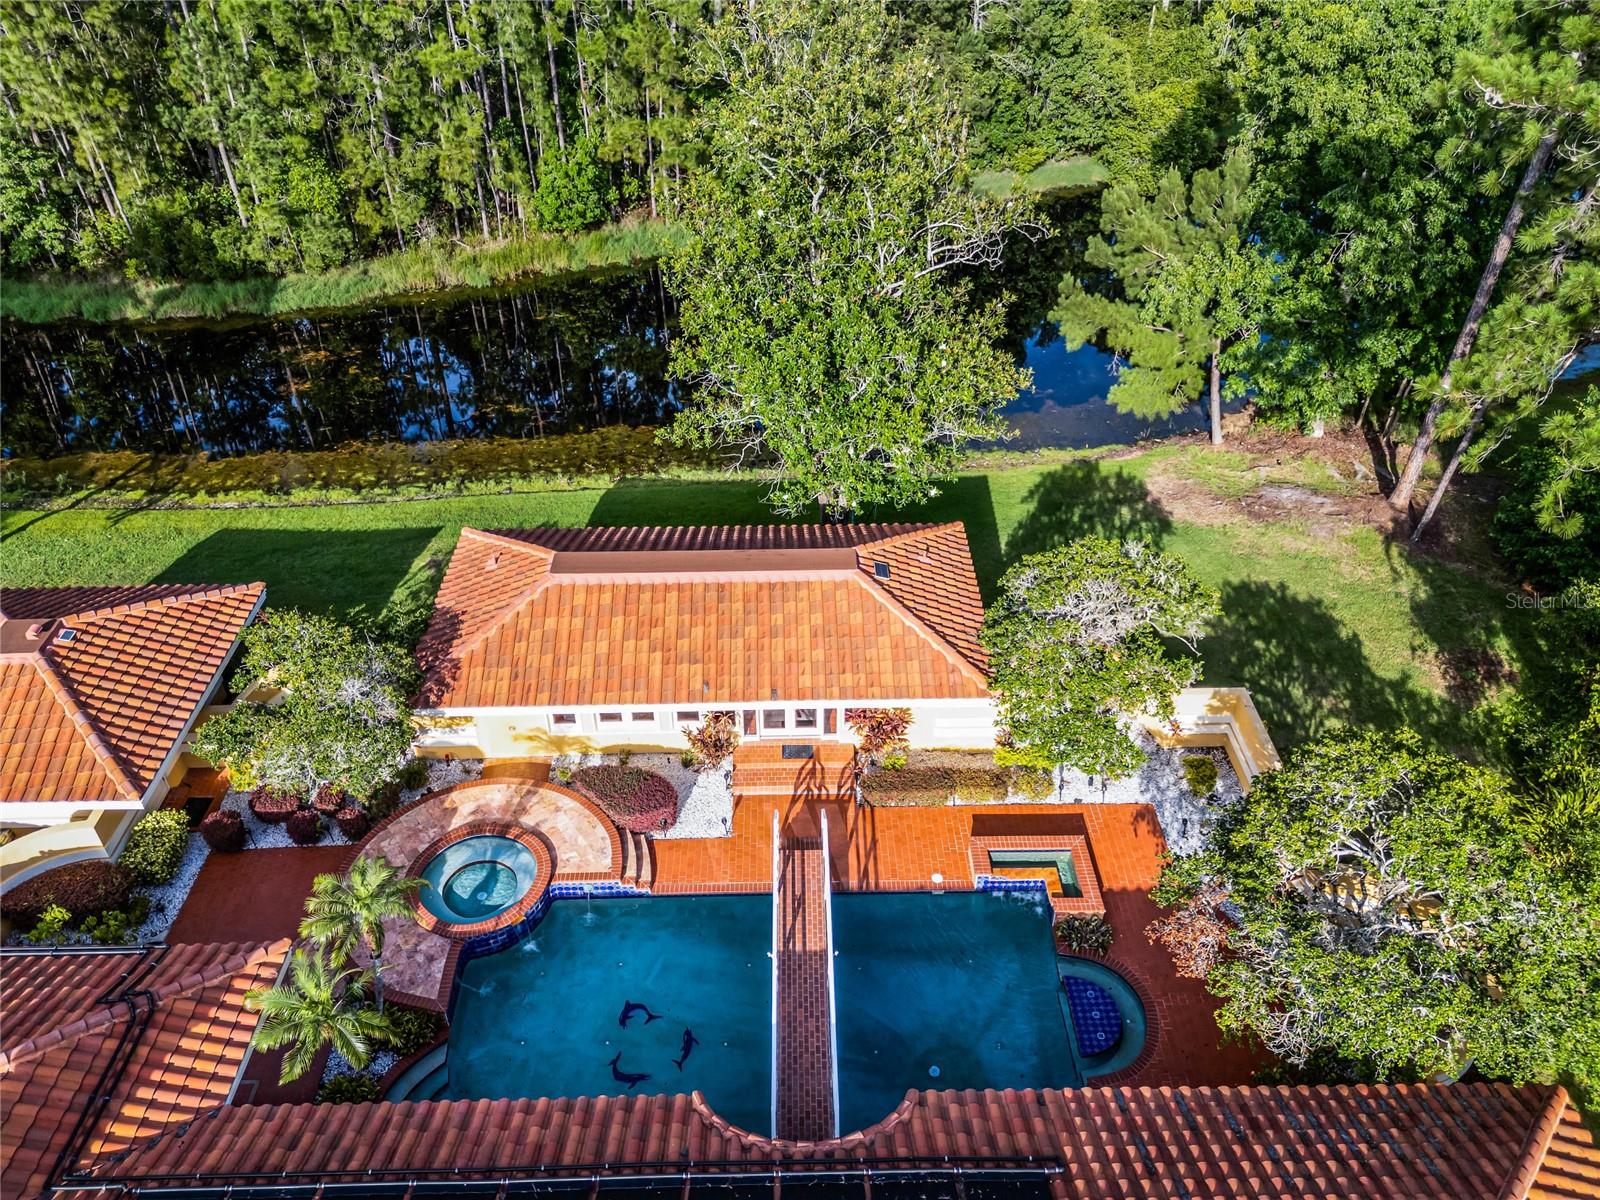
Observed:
{"x":254,"y":895}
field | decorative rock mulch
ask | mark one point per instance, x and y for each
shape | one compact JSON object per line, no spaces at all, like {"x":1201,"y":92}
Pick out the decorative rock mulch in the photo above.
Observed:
{"x":705,"y":798}
{"x":377,"y":1067}
{"x":1159,"y":782}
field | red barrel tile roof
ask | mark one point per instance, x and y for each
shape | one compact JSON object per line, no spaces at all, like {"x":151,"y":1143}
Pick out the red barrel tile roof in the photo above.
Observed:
{"x":739,"y":614}
{"x":92,"y":719}
{"x":59,"y":1038}
{"x":1459,"y":1142}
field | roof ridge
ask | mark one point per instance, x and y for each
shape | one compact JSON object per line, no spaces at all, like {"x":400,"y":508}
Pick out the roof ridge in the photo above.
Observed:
{"x":917,"y":529}
{"x":88,"y":729}
{"x":1525,"y":1170}
{"x":459,"y":650}
{"x":920,"y":626}
{"x":105,"y":1014}
{"x":204,"y":592}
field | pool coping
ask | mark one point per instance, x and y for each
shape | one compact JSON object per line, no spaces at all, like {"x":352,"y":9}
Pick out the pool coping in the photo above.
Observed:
{"x":1091,"y":902}
{"x":529,"y":839}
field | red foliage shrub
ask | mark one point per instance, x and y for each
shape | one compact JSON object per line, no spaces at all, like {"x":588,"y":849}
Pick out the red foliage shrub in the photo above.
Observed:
{"x":328,"y":799}
{"x":223,"y":831}
{"x":634,"y":798}
{"x":879,"y":729}
{"x":1195,"y":933}
{"x":353,"y":822}
{"x":273,"y":807}
{"x":305,"y":827}
{"x":82,"y":888}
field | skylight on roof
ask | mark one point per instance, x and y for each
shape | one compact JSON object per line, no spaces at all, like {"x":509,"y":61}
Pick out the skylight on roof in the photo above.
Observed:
{"x":67,"y":635}
{"x":881,"y":570}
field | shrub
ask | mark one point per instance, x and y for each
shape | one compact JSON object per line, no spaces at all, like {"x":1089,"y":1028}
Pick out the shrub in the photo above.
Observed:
{"x":155,"y":847}
{"x":411,"y":1029}
{"x":117,"y":926}
{"x":879,"y":729}
{"x":1032,"y":783}
{"x":273,"y":807}
{"x":305,"y":827}
{"x":353,"y":822}
{"x":715,"y":739}
{"x":1200,"y":773}
{"x":634,"y":798}
{"x":52,"y":924}
{"x":350,"y":1089}
{"x":895,"y":761}
{"x":81,"y":888}
{"x":224,"y":831}
{"x":1084,"y":933}
{"x":384,"y":800}
{"x":414,"y":774}
{"x":329,"y":799}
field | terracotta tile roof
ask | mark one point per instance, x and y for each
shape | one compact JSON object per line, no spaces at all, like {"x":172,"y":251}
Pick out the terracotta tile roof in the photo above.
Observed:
{"x":1460,"y":1142}
{"x":1570,"y":1168}
{"x":93,"y":718}
{"x":735,"y":614}
{"x":59,"y":1039}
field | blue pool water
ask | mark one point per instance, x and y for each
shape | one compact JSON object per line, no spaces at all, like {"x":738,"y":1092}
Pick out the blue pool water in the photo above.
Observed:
{"x":960,"y":991}
{"x":476,"y":878}
{"x":541,"y":1019}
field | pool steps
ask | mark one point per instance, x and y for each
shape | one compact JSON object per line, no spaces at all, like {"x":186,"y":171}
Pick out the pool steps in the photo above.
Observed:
{"x":638,"y":866}
{"x":425,"y":1079}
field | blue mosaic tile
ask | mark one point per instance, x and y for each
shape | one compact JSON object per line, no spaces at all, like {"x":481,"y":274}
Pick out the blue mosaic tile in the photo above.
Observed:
{"x":998,"y":883}
{"x":1094,"y":1016}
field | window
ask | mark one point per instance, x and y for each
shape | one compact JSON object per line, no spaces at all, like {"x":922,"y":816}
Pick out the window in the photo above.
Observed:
{"x":773,"y":718}
{"x":805,"y":718}
{"x":830,"y":720}
{"x":687,"y":717}
{"x":563,"y":718}
{"x":612,"y":718}
{"x":881,"y":570}
{"x":640,"y":717}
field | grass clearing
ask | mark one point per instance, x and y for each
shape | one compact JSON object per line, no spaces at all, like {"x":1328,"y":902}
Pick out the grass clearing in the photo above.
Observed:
{"x":434,"y":268}
{"x":1326,"y":630}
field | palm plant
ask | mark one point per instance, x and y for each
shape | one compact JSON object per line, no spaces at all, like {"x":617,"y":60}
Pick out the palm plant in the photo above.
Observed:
{"x":347,"y":911}
{"x":319,"y":1003}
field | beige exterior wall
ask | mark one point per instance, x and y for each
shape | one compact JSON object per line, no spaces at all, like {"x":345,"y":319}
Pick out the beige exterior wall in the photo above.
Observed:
{"x":1222,"y":717}
{"x":524,"y":733}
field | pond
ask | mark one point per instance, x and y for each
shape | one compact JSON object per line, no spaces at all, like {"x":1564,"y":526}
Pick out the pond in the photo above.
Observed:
{"x":524,"y":362}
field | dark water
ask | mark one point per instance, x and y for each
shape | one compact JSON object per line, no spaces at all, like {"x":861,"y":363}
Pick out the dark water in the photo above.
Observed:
{"x":523,"y":362}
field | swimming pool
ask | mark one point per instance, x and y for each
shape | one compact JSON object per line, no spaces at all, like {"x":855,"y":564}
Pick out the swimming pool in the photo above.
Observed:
{"x":963,"y":990}
{"x":543,"y":1017}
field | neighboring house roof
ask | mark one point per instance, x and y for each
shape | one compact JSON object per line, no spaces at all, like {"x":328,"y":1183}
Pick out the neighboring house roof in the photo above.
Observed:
{"x":1456,"y":1142}
{"x":164,"y":1030}
{"x":728,"y":614}
{"x":98,"y":684}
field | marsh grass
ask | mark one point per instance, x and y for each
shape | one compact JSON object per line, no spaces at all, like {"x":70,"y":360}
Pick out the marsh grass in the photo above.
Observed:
{"x":426,"y":269}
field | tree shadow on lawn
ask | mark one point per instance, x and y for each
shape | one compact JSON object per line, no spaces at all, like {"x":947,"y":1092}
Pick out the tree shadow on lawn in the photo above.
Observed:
{"x":1082,"y":499}
{"x":363,"y":577}
{"x":1309,"y":674}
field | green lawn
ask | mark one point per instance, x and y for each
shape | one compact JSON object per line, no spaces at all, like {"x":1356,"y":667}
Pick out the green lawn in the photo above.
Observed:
{"x":1325,"y":629}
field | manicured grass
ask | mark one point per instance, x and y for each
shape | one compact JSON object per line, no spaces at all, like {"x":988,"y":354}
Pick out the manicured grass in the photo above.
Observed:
{"x":432,"y":268}
{"x":1326,"y":629}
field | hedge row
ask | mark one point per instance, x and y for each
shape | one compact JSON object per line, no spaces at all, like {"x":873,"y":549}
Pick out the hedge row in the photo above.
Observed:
{"x":636,"y":799}
{"x":913,"y":785}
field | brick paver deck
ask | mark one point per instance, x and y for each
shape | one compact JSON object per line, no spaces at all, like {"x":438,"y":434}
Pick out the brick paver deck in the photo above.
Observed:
{"x":805,"y":1001}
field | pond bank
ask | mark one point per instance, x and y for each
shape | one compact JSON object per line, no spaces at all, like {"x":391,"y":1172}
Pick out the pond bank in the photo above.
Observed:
{"x":429,"y":269}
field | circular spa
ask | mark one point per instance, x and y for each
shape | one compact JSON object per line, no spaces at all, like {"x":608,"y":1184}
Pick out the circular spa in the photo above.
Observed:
{"x":477,"y":879}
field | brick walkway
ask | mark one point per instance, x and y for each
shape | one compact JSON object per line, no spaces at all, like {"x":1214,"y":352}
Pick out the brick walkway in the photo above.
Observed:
{"x":805,"y":1054}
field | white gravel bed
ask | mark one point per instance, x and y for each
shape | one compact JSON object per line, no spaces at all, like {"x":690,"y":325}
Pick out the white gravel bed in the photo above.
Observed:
{"x":167,"y":898}
{"x":705,"y":798}
{"x":377,"y":1066}
{"x":1159,"y":782}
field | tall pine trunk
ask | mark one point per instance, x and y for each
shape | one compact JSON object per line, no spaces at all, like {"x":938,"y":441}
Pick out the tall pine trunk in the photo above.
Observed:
{"x":1216,"y":394}
{"x":1400,"y":498}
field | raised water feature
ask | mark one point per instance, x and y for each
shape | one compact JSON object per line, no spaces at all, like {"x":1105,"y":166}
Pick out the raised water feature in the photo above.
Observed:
{"x":478,"y":878}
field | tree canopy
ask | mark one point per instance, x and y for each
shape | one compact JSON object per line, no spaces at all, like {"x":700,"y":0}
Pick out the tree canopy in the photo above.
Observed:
{"x":1383,"y":906}
{"x":823,"y":324}
{"x":1077,"y":642}
{"x":338,"y":713}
